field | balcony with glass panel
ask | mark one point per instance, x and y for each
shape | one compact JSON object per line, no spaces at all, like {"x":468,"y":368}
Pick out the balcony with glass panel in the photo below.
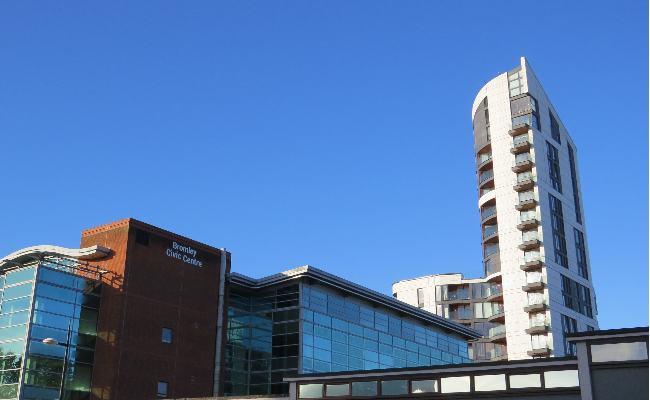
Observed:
{"x":489,"y":214}
{"x":538,"y":348}
{"x":462,"y":313}
{"x":535,"y":302}
{"x":483,"y":161}
{"x":497,"y":312}
{"x":481,"y":351}
{"x":531,"y":239}
{"x":521,"y":143}
{"x":522,"y":105}
{"x":494,"y":292}
{"x":526,"y":200}
{"x":453,"y":293}
{"x":532,"y":259}
{"x":490,"y":234}
{"x":524,"y":181}
{"x":527,"y":220}
{"x":490,"y":249}
{"x":538,"y":325}
{"x":534,"y":280}
{"x":486,"y":178}
{"x":521,"y":124}
{"x":497,"y":334}
{"x":523,"y":162}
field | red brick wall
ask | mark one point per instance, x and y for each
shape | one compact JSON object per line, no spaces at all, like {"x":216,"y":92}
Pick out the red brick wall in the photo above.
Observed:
{"x":146,"y":291}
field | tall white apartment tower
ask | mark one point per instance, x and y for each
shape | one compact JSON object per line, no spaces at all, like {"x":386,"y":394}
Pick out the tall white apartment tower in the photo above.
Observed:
{"x":537,"y":277}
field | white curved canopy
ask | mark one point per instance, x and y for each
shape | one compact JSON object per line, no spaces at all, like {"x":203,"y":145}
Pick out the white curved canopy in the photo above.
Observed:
{"x":35,"y":253}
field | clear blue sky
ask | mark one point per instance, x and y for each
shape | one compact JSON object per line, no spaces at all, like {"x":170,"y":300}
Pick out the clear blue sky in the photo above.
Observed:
{"x":331,"y":133}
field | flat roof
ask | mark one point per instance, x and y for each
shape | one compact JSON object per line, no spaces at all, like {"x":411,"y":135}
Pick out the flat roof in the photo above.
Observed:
{"x":606,"y":333}
{"x":357,"y":290}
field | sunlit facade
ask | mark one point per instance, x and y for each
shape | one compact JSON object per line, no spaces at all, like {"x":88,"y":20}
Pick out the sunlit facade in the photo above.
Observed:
{"x":308,"y":321}
{"x":48,"y":327}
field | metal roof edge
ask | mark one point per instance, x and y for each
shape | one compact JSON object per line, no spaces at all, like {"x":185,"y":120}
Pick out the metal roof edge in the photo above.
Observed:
{"x":333,"y":280}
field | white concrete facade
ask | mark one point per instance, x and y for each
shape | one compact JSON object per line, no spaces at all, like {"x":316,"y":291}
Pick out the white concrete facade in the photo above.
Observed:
{"x":505,"y":197}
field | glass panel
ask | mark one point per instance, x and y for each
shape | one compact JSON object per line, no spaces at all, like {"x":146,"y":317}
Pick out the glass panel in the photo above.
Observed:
{"x":88,"y":300}
{"x":10,"y":362}
{"x":337,"y":390}
{"x":57,"y":307}
{"x":484,"y":383}
{"x":41,"y":332}
{"x":16,"y":305}
{"x":60,"y":278}
{"x":14,"y":332}
{"x":45,"y":364}
{"x":619,"y":352}
{"x":10,"y":376}
{"x":553,"y":379}
{"x":456,"y":384}
{"x":52,"y":320}
{"x":430,"y":386}
{"x":56,"y":293}
{"x":43,"y":379}
{"x":364,"y":388}
{"x":311,"y":391}
{"x":394,"y":387}
{"x":20,"y":276}
{"x":38,"y":347}
{"x":17,"y":291}
{"x":525,"y":381}
{"x":10,"y":391}
{"x":12,"y":348}
{"x":14,"y":318}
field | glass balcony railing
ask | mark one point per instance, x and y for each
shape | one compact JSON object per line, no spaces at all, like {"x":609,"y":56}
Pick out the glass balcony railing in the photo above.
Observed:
{"x":523,"y":138}
{"x":523,"y":104}
{"x":531,"y":256}
{"x":498,"y":352}
{"x":528,"y":215}
{"x":488,"y":212}
{"x":538,"y":322}
{"x":460,"y":314}
{"x":496,"y":331}
{"x":457,"y":295}
{"x":490,"y":249}
{"x":526,"y":196}
{"x":495,"y":309}
{"x":494,"y":288}
{"x":534,"y":299}
{"x":540,"y":345}
{"x":533,"y":278}
{"x":486,"y":190}
{"x":519,"y":158}
{"x":487,"y":351}
{"x":528,"y":119}
{"x":525,"y":176}
{"x":528,"y":236}
{"x":489,"y":230}
{"x":484,"y":157}
{"x":485,"y":175}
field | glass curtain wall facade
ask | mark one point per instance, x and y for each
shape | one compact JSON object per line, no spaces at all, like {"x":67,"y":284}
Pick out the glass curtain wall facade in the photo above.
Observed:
{"x":262,"y":341}
{"x":47,"y":300}
{"x":339,"y":335}
{"x":289,"y":330}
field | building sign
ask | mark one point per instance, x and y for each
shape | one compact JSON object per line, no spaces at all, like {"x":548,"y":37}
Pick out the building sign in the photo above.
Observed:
{"x":178,"y":250}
